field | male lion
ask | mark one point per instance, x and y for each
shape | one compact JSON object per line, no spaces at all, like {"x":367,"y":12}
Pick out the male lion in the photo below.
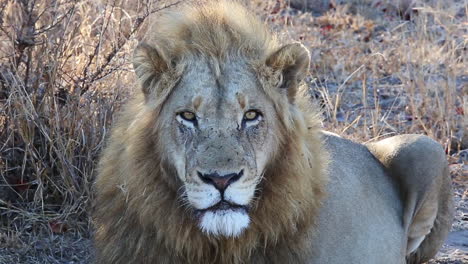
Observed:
{"x":220,"y":159}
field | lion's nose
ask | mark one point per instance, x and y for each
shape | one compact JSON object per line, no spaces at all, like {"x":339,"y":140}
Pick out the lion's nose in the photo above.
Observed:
{"x":220,"y":182}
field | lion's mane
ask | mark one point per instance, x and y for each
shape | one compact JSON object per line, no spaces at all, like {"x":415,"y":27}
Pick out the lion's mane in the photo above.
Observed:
{"x":139,"y":215}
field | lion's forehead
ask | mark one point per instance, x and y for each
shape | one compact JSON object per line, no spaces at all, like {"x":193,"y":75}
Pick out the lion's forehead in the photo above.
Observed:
{"x":218,"y":86}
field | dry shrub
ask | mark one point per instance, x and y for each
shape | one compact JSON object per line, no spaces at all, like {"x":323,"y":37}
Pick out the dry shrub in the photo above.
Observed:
{"x":64,"y":72}
{"x":386,"y":75}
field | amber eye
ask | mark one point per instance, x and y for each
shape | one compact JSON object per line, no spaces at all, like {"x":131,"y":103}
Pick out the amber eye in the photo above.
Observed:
{"x":189,"y":116}
{"x":251,"y":115}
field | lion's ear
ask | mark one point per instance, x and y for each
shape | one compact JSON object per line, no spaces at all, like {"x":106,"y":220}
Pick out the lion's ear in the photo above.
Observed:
{"x":293,"y":61}
{"x":149,"y":64}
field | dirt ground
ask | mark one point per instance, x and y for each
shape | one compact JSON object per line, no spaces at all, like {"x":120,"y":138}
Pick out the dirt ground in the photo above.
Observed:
{"x":455,"y":249}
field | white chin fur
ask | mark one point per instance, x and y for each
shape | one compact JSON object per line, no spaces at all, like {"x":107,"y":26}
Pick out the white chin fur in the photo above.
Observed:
{"x":228,"y":223}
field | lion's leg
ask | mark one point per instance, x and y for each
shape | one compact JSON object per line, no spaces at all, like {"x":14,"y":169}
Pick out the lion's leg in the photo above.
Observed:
{"x":420,"y":168}
{"x":432,"y":242}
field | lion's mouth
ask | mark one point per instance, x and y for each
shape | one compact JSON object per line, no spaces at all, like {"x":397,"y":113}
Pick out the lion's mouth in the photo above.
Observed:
{"x":224,"y":206}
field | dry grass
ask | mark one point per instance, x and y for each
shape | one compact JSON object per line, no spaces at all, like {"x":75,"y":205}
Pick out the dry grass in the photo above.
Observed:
{"x":64,"y":71}
{"x":384,"y":75}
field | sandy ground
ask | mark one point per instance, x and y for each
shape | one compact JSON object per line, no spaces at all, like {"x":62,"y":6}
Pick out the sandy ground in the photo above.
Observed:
{"x":63,"y":248}
{"x":455,"y":249}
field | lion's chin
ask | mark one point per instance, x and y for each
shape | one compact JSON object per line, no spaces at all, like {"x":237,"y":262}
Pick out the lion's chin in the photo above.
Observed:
{"x":224,"y":222}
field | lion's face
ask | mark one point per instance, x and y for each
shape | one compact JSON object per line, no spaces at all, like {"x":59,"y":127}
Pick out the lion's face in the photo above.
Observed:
{"x":218,"y":132}
{"x":220,"y":123}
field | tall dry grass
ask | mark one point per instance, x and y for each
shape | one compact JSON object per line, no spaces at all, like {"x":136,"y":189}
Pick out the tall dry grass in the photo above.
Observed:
{"x":64,"y":72}
{"x":379,"y":72}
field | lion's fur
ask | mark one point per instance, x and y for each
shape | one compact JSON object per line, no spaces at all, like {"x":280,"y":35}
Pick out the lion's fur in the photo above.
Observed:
{"x":138,"y":200}
{"x":215,"y":29}
{"x":427,"y":196}
{"x":139,"y":214}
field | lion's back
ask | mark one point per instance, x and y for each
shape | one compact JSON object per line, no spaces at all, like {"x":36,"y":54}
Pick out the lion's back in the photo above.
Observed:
{"x":360,"y":221}
{"x":387,"y":201}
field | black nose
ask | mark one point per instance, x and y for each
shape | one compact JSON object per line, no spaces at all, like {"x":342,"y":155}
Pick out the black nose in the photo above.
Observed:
{"x":220,"y":182}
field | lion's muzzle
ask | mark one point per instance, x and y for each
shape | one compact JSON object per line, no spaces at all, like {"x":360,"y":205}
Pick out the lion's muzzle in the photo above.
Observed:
{"x":220,"y":182}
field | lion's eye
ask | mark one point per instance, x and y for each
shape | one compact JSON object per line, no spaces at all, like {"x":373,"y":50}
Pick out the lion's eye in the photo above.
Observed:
{"x":188,"y":116}
{"x":251,"y":115}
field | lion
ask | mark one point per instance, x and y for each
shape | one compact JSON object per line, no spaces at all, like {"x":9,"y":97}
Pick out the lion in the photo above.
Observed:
{"x":219,"y":157}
